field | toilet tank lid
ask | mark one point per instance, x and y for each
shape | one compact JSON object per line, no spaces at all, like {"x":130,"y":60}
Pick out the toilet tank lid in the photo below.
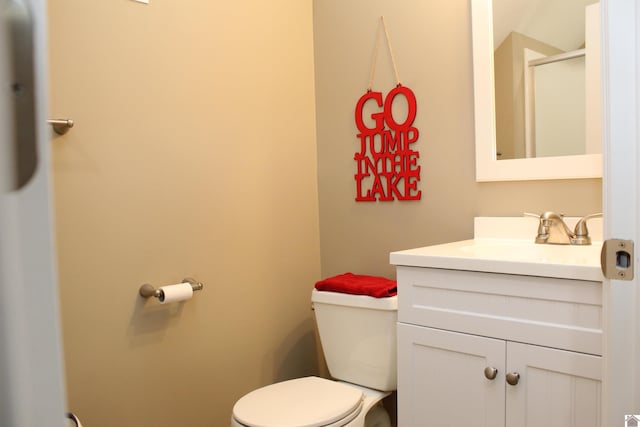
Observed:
{"x":364,"y":301}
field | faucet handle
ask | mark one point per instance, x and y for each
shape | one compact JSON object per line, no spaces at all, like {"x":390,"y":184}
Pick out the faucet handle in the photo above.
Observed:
{"x":545,"y":214}
{"x":581,"y":231}
{"x":543,"y":227}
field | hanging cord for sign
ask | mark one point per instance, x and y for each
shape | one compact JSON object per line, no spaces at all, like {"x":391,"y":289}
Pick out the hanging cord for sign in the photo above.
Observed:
{"x":375,"y":55}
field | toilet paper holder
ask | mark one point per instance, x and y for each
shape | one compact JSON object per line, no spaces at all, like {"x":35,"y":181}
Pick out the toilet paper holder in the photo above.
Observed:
{"x":148,"y":290}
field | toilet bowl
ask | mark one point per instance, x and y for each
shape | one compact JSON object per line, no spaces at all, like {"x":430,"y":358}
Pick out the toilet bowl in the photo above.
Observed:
{"x":310,"y":402}
{"x":358,"y":337}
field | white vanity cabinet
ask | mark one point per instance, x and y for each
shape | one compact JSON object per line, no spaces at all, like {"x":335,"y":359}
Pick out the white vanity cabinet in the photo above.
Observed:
{"x":462,"y":335}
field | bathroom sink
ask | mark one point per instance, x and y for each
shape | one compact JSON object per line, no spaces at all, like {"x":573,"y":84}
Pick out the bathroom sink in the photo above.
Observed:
{"x":510,"y":256}
{"x":507,"y":245}
{"x":527,"y":250}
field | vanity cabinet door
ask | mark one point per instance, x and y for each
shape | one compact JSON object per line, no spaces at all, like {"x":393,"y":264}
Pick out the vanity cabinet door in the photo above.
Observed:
{"x":556,"y":388}
{"x":442,"y":381}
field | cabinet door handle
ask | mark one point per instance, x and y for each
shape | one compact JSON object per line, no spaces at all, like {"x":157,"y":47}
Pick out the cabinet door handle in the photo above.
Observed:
{"x":490,"y":372}
{"x":513,"y":378}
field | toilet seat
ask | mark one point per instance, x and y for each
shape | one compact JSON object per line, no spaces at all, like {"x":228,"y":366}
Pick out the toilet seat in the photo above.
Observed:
{"x":302,"y":402}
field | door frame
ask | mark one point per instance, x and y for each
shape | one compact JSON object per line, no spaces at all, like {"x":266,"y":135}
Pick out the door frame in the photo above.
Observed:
{"x":621,"y":193}
{"x":32,"y":389}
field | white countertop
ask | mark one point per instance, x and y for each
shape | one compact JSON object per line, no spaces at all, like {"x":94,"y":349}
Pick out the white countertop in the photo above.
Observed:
{"x":508,"y":255}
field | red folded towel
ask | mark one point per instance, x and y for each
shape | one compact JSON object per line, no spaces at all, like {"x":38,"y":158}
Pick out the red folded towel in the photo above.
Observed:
{"x":358,"y":284}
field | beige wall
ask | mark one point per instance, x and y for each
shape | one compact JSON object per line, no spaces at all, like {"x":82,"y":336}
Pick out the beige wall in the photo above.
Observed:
{"x":194,"y":155}
{"x":432,"y":46}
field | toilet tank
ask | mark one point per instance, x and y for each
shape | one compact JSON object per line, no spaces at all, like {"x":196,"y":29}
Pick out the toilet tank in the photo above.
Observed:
{"x":358,"y":336}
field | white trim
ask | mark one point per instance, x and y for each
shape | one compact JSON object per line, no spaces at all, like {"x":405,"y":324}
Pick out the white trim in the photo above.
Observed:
{"x":488,"y":168}
{"x":530,"y":102}
{"x":32,"y":383}
{"x":621,"y":192}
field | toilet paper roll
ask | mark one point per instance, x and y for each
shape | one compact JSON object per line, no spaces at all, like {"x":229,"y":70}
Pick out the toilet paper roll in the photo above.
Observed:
{"x":173,"y":293}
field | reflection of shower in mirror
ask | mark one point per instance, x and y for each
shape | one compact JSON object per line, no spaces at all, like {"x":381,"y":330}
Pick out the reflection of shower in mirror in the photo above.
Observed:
{"x":547,"y":78}
{"x":554,"y":104}
{"x":487,"y":101}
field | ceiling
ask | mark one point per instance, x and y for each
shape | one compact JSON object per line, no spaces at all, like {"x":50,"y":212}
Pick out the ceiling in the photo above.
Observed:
{"x":559,"y":23}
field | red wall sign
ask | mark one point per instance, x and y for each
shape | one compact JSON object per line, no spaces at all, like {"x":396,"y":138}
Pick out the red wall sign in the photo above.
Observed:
{"x":387,"y":165}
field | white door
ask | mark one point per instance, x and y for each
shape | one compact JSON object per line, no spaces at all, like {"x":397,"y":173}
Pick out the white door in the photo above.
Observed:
{"x":621,"y":114}
{"x":555,"y":388}
{"x":31,"y":375}
{"x":442,"y":380}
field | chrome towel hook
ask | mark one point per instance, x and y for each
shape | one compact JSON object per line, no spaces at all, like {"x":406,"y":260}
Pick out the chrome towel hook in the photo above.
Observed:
{"x":61,"y":126}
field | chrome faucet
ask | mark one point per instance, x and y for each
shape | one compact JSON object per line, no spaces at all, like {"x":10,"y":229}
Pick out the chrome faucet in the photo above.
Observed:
{"x":552,"y":229}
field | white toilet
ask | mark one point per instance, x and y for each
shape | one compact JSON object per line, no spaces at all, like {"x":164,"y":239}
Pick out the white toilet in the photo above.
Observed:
{"x":358,"y":336}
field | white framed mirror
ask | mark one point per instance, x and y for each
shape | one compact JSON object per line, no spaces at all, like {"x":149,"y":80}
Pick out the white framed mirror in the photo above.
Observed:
{"x":489,"y":166}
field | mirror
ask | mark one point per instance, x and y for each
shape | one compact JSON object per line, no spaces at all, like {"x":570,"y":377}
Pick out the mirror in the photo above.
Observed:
{"x":524,"y":165}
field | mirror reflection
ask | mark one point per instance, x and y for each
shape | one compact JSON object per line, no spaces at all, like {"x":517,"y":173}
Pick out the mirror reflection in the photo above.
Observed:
{"x":547,"y":78}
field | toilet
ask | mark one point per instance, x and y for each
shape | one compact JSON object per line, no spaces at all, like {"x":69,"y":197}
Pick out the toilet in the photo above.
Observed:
{"x":358,"y":337}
